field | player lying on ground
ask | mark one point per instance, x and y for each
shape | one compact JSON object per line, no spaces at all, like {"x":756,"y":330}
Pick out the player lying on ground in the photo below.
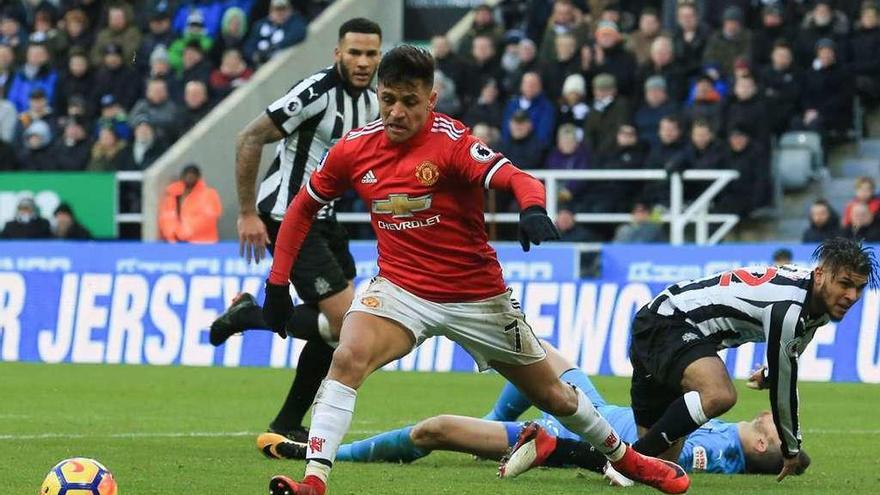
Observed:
{"x":423,"y":176}
{"x":717,"y":447}
{"x":679,"y":382}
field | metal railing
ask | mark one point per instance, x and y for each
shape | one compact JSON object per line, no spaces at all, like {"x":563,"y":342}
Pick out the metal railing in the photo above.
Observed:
{"x":678,"y":217}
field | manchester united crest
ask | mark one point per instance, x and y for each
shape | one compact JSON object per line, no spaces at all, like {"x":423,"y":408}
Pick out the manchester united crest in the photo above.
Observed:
{"x":371,"y":302}
{"x":427,"y":173}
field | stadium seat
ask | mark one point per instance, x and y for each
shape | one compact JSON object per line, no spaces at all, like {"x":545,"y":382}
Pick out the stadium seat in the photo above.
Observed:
{"x":795,"y":167}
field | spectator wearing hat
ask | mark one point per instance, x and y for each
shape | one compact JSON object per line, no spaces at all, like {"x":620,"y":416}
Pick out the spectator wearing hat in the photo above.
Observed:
{"x":483,"y":24}
{"x":7,"y":69}
{"x":706,"y":104}
{"x":117,"y":78}
{"x":196,"y":104}
{"x":782,"y":81}
{"x":27,"y":224}
{"x":773,"y":29}
{"x":865,"y":55}
{"x":66,"y":225}
{"x":36,"y":153}
{"x":656,"y":104}
{"x":827,"y":92}
{"x":483,"y":66}
{"x":573,"y":107}
{"x":108,"y":152}
{"x":732,"y":41}
{"x":233,"y":33}
{"x":280,"y":29}
{"x":823,"y":223}
{"x":608,"y":113}
{"x":541,"y":112}
{"x":114,"y":116}
{"x":823,"y":22}
{"x":146,"y":146}
{"x":159,"y":109}
{"x":72,"y":150}
{"x":190,"y":209}
{"x":689,"y":38}
{"x":78,"y":79}
{"x":520,"y":144}
{"x":487,"y":109}
{"x":120,"y":32}
{"x":159,"y":34}
{"x":640,"y":41}
{"x":747,"y":108}
{"x":567,"y":62}
{"x":612,"y":58}
{"x":661,"y":62}
{"x":566,"y":17}
{"x":746,"y":157}
{"x":76,"y":30}
{"x":38,"y":110}
{"x":232,"y":74}
{"x":37,"y":72}
{"x":193,"y":36}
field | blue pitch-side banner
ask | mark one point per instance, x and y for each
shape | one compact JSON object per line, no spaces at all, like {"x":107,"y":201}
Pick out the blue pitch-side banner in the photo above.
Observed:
{"x":152,"y":304}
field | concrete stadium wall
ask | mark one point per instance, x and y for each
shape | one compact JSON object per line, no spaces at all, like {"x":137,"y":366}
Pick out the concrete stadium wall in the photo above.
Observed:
{"x":211,"y":143}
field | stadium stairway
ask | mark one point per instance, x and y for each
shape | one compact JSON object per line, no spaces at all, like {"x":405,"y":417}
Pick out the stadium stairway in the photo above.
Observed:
{"x":844,"y":163}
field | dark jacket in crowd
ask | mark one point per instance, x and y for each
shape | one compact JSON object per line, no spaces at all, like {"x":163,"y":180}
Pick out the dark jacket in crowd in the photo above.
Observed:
{"x":619,"y":195}
{"x":647,"y":120}
{"x":750,"y":114}
{"x":829,"y":90}
{"x":664,"y":156}
{"x":621,"y":64}
{"x":689,"y":54}
{"x":71,"y":157}
{"x":782,"y":90}
{"x":75,"y":232}
{"x":525,"y":153}
{"x":741,"y":196}
{"x":553,"y":75}
{"x":70,"y":85}
{"x":600,"y":128}
{"x":123,"y":83}
{"x":818,"y":233}
{"x":868,"y":233}
{"x":37,"y":228}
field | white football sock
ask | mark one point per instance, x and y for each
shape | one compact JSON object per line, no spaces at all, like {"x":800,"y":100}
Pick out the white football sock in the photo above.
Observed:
{"x":592,"y":427}
{"x":331,"y":418}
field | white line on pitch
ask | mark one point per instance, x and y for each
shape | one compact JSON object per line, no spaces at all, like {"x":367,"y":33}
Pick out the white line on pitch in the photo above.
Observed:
{"x":834,"y":431}
{"x":130,"y":435}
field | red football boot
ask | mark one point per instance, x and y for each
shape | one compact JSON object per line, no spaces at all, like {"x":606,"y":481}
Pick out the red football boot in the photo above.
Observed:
{"x":532,"y":448}
{"x":665,"y":476}
{"x":310,"y":485}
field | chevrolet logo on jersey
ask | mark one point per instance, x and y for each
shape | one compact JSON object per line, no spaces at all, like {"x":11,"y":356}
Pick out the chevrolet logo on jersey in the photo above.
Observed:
{"x":401,"y":205}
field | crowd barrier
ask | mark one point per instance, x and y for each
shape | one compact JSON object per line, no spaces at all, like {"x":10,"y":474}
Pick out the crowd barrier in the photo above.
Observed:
{"x":139,"y":303}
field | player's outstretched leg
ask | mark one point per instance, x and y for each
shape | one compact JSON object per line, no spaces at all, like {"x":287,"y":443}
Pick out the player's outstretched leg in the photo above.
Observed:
{"x":244,"y":313}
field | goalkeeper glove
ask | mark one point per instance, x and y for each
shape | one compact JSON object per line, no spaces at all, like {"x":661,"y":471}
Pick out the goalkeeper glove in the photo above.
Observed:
{"x":535,"y":227}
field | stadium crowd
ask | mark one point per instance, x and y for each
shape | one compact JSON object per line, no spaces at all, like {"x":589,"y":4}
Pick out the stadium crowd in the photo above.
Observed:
{"x":607,"y":84}
{"x":103,"y":86}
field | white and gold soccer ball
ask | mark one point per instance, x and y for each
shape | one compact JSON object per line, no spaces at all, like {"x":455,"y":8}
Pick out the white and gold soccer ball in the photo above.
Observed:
{"x":79,"y":476}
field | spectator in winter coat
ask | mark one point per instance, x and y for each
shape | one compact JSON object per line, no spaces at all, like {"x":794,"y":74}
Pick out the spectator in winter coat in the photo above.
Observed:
{"x":782,"y":88}
{"x":37,"y":72}
{"x":865,"y":55}
{"x":196,"y":104}
{"x":233,"y":33}
{"x":487,"y":109}
{"x":566,"y":18}
{"x":232,"y":74}
{"x":157,"y":107}
{"x":706,"y":104}
{"x":36,"y":153}
{"x":828,"y":92}
{"x":66,"y":225}
{"x":823,"y":22}
{"x":146,"y":146}
{"x":748,"y":192}
{"x":79,"y":79}
{"x":190,"y":209}
{"x":823,"y":223}
{"x":483,"y":24}
{"x":449,"y":62}
{"x":689,"y":39}
{"x":27,"y":224}
{"x":540,"y":110}
{"x":447,"y":97}
{"x":863,"y":226}
{"x":520,"y":144}
{"x":107,"y":152}
{"x":640,"y":41}
{"x":612,"y":58}
{"x":553,"y":73}
{"x":627,"y":153}
{"x":773,"y":30}
{"x":569,"y":154}
{"x":642,"y":229}
{"x":159,"y":34}
{"x":280,"y":29}
{"x":7,"y":69}
{"x":117,"y":78}
{"x":656,"y":106}
{"x":119,"y":32}
{"x":667,"y":154}
{"x":607,"y":114}
{"x":703,"y":151}
{"x":573,"y":107}
{"x":76,"y":31}
{"x":73,"y":149}
{"x":194,"y":35}
{"x":747,"y":109}
{"x":866,"y":193}
{"x":661,"y":63}
{"x":728,"y":44}
{"x":484,"y":66}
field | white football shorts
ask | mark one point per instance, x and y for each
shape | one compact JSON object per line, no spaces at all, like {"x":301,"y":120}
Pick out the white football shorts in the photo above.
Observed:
{"x":490,"y":330}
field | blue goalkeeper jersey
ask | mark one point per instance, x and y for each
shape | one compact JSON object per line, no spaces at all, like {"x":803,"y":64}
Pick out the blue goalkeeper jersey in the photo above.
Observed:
{"x":714,"y":448}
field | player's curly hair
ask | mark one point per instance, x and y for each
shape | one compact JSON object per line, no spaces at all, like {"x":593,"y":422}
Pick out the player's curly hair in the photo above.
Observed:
{"x":405,"y":64}
{"x":839,"y":253}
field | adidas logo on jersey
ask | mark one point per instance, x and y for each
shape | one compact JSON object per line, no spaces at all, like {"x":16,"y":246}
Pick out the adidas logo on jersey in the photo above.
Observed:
{"x":369,"y":178}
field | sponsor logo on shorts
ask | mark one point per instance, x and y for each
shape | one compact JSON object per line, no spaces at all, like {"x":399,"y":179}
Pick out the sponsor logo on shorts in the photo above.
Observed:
{"x":690,"y":336}
{"x":316,"y":444}
{"x":427,"y":173}
{"x":610,"y":441}
{"x":322,"y":286}
{"x":371,"y":302}
{"x":701,"y":458}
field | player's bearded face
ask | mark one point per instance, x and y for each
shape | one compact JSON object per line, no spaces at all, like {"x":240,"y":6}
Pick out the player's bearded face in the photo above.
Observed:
{"x":405,"y":108}
{"x":839,"y":290}
{"x":357,"y":57}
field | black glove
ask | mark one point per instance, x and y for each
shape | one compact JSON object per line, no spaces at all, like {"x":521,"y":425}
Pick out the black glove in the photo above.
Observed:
{"x":535,"y":227}
{"x":277,"y":308}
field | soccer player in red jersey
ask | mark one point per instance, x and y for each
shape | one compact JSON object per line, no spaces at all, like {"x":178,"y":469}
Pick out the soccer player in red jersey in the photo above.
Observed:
{"x":423,"y":176}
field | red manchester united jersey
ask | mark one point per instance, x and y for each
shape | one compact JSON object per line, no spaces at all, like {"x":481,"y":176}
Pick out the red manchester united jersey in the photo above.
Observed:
{"x":425,"y":198}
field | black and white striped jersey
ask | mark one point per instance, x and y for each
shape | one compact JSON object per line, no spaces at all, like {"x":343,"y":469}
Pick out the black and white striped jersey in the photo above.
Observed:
{"x":754,"y":305}
{"x":313,"y":115}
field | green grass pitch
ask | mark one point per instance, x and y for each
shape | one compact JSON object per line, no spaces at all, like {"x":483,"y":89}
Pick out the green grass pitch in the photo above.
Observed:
{"x":172,"y":431}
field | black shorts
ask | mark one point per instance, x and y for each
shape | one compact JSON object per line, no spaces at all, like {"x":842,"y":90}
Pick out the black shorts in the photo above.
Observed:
{"x":660,"y":350}
{"x":324,"y":265}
